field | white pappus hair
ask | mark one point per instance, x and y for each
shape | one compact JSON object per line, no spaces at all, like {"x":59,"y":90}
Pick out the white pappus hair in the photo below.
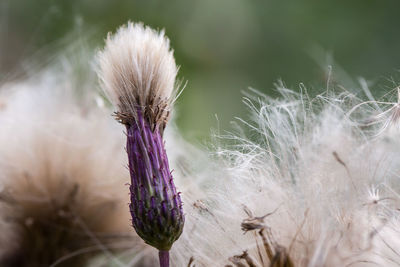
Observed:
{"x":138,"y":71}
{"x":61,"y":176}
{"x":315,"y":182}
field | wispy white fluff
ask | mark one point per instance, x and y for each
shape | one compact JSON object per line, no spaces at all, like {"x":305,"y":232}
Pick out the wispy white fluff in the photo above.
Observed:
{"x":138,"y":71}
{"x":61,"y":167}
{"x":329,"y":187}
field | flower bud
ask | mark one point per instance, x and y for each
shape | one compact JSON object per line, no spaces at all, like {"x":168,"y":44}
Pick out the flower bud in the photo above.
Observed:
{"x":138,"y":72}
{"x":156,"y":207}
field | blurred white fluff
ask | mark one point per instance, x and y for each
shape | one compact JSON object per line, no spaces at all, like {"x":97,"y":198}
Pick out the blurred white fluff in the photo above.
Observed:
{"x":137,"y":69}
{"x":327,"y":182}
{"x":63,"y":182}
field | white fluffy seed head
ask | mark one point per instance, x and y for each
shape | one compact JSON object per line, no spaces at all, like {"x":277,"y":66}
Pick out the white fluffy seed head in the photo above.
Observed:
{"x":60,"y":191}
{"x":312,"y":173}
{"x":138,"y":70}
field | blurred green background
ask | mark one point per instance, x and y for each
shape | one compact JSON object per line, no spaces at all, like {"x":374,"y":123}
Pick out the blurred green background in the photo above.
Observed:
{"x":223,"y":46}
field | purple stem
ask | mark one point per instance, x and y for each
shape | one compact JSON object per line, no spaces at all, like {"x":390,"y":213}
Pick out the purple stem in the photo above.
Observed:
{"x":164,"y":258}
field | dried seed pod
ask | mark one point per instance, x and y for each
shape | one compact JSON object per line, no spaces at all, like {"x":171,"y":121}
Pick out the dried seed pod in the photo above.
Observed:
{"x":156,"y":207}
{"x":138,"y":72}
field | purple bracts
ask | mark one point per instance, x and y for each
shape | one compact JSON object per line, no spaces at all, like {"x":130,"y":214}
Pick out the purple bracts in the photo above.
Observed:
{"x":156,"y":207}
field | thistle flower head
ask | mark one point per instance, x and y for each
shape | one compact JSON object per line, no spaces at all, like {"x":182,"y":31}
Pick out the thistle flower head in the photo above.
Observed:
{"x":138,"y":70}
{"x":138,"y":73}
{"x":320,"y":189}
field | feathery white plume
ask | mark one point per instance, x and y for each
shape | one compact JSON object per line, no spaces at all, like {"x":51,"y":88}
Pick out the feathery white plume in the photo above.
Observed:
{"x":138,"y":70}
{"x":312,"y":185}
{"x":60,"y":175}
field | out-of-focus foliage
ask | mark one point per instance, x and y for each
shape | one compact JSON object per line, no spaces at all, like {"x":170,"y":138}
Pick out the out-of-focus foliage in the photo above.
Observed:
{"x":223,"y":46}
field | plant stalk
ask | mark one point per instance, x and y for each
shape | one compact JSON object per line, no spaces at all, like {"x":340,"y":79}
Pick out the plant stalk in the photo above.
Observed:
{"x":164,"y":258}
